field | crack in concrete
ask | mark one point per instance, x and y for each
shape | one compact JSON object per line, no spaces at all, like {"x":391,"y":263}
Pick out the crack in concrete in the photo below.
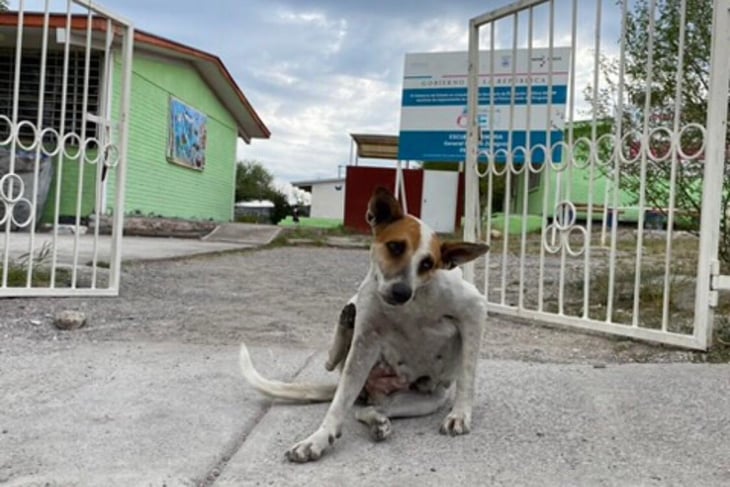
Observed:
{"x":211,"y":476}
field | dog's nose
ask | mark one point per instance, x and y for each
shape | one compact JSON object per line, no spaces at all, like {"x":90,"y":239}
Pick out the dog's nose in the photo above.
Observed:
{"x":401,"y":292}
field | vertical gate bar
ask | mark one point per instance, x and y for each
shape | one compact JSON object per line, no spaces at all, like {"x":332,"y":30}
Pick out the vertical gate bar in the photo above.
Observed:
{"x":527,"y":169}
{"x":551,"y":164}
{"x":39,"y":142}
{"x":490,"y":153}
{"x":645,"y":154}
{"x":593,"y":162}
{"x":674,"y":161}
{"x":103,"y":143}
{"x":604,"y":216}
{"x":616,"y":160}
{"x":545,"y":177}
{"x":571,"y":92}
{"x":509,"y":160}
{"x":716,"y":137}
{"x":62,"y":141}
{"x":470,"y":176}
{"x":121,"y":180}
{"x":547,"y":181}
{"x":14,"y":136}
{"x":84,"y":146}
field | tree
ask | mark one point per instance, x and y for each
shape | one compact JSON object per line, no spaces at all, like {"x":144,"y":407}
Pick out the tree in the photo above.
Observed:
{"x":3,"y":5}
{"x":659,"y":109}
{"x":255,"y":182}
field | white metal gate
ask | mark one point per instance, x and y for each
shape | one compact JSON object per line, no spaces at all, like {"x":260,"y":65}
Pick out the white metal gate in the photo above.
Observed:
{"x":615,"y":225}
{"x":64,"y":106}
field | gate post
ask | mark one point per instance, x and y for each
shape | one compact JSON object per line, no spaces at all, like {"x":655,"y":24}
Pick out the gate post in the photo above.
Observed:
{"x":714,"y":171}
{"x":118,"y":222}
{"x":471,"y":181}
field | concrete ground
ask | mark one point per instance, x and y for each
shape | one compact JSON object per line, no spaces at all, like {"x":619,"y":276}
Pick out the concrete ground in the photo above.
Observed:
{"x":158,"y":414}
{"x":137,"y":399}
{"x":226,"y":237}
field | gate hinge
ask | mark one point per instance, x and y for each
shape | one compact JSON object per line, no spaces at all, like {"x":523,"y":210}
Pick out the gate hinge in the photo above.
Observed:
{"x":718,"y":282}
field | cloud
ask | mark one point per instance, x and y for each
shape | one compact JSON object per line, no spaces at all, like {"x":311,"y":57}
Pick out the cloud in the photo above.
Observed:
{"x":316,"y":71}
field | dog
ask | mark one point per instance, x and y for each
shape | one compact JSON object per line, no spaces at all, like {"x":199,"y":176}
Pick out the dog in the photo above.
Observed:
{"x":406,"y":343}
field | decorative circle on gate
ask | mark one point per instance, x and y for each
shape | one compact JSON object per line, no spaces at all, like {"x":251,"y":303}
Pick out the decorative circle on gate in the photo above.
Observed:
{"x":8,"y":185}
{"x":111,"y":155}
{"x":691,"y":141}
{"x":71,"y":144}
{"x":6,"y":124}
{"x":4,"y":212}
{"x":33,"y":140}
{"x":50,"y":142}
{"x":564,"y":215}
{"x":28,"y":214}
{"x":91,"y":146}
{"x":557,"y":235}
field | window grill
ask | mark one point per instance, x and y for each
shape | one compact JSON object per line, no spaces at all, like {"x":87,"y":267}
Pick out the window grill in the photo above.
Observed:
{"x":30,"y":82}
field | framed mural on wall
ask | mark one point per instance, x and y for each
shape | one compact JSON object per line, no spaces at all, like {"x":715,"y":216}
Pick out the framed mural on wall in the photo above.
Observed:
{"x":188,"y":134}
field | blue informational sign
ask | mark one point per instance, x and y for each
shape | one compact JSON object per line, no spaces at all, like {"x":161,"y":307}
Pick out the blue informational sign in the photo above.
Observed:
{"x":526,"y":108}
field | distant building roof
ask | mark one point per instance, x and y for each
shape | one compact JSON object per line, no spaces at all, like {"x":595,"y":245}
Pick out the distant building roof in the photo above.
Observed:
{"x":210,"y":66}
{"x":376,"y":146}
{"x":300,"y":184}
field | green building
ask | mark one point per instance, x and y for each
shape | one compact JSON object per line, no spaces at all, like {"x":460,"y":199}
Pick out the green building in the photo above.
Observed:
{"x":575,"y":180}
{"x":186,"y":116}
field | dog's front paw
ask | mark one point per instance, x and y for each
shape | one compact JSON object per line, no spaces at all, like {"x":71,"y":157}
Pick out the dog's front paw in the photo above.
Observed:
{"x":456,"y":423}
{"x":310,"y":449}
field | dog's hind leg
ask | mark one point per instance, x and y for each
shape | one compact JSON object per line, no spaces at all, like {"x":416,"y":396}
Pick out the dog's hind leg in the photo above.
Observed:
{"x":401,"y":404}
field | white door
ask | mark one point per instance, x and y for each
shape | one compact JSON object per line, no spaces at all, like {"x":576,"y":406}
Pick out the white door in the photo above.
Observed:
{"x":438,"y":206}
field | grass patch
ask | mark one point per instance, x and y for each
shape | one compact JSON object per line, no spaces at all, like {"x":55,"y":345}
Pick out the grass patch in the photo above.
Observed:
{"x":313,"y":235}
{"x":306,"y":222}
{"x":41,"y":274}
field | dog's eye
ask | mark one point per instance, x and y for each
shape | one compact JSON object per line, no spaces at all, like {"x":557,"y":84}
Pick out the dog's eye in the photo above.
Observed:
{"x":396,"y":247}
{"x":425,"y":265}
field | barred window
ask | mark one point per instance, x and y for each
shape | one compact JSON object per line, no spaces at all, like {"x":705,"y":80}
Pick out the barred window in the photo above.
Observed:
{"x":30,"y":79}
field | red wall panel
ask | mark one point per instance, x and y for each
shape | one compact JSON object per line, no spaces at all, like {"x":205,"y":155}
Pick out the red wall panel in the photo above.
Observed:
{"x":359,"y":186}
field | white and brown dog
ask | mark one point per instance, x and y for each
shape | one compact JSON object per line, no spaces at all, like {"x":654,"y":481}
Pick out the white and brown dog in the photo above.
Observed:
{"x":412,"y":331}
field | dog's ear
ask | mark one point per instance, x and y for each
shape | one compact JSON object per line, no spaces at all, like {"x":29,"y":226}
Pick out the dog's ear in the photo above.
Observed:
{"x":456,"y":253}
{"x":383,"y":208}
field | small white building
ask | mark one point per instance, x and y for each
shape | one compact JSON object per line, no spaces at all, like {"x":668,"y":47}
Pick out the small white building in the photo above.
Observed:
{"x":258,"y":211}
{"x":328,"y":197}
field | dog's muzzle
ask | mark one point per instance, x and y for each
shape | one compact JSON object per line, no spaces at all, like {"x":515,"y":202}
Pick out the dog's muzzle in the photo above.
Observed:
{"x":400,"y":293}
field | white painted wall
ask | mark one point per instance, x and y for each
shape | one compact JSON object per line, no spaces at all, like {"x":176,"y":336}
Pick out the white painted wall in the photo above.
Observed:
{"x":327,"y":201}
{"x":438,"y":206}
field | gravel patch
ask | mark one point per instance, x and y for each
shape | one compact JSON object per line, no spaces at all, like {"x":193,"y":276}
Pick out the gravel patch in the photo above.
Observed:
{"x":284,"y":296}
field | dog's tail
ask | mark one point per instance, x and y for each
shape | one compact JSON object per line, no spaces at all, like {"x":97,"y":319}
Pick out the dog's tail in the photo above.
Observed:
{"x":275,"y":389}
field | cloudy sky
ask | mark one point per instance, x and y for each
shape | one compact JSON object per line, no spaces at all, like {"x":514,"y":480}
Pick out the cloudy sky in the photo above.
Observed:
{"x":318,"y":70}
{"x":314,"y":70}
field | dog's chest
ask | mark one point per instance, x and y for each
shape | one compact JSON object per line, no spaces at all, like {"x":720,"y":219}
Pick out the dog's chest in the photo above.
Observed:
{"x":421,"y":348}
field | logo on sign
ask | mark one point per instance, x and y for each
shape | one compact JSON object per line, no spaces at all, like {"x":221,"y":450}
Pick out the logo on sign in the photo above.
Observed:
{"x":463,"y":119}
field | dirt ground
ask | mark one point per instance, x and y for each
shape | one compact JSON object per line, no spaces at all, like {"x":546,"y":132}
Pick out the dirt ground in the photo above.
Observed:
{"x":284,"y":296}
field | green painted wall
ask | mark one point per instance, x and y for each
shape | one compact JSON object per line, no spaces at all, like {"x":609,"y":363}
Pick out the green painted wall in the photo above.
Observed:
{"x":580,"y":183}
{"x":154,"y":185}
{"x":69,"y":187}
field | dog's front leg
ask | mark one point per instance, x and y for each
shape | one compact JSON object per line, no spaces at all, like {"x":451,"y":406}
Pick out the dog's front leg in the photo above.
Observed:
{"x":363,"y":354}
{"x":458,"y":421}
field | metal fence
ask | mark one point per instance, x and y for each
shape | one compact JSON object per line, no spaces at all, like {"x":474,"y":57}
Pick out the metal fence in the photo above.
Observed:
{"x":64,"y":105}
{"x":612,"y":217}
